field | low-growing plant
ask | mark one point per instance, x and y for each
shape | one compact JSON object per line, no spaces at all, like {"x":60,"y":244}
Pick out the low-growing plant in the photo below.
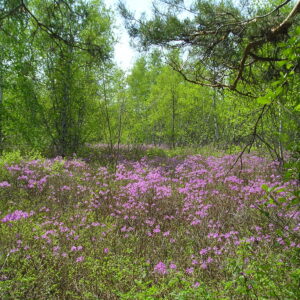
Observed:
{"x":255,"y":273}
{"x":155,"y":228}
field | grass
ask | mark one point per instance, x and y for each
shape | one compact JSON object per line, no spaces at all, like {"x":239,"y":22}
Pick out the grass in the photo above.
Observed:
{"x":157,"y":227}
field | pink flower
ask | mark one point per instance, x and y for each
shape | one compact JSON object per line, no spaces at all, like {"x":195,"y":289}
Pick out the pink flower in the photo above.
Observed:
{"x":65,"y":188}
{"x":203,"y":266}
{"x":203,"y":251}
{"x":106,"y":250}
{"x":161,"y":268}
{"x":156,"y":229}
{"x":173,"y":266}
{"x":80,"y":259}
{"x":4,"y":184}
{"x":16,"y":215}
{"x":95,"y":224}
{"x":14,"y":250}
{"x":209,"y":260}
{"x":189,"y":270}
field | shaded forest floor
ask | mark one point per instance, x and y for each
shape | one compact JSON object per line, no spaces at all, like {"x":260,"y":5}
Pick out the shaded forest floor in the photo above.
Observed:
{"x":156,"y":227}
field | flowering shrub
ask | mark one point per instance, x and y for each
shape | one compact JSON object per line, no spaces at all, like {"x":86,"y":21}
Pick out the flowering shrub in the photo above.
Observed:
{"x":16,"y":215}
{"x":160,"y":227}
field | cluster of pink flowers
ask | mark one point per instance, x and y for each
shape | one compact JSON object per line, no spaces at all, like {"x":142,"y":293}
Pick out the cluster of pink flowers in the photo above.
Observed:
{"x":16,"y":215}
{"x":160,"y":202}
{"x":4,"y":184}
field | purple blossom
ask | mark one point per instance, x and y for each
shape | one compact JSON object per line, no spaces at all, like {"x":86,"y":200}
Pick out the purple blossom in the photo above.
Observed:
{"x":16,"y":215}
{"x":161,"y":268}
{"x":14,"y":250}
{"x":173,"y":266}
{"x":65,"y":188}
{"x":80,"y":259}
{"x":4,"y":184}
{"x":203,"y":251}
{"x":189,"y":270}
{"x":156,"y":229}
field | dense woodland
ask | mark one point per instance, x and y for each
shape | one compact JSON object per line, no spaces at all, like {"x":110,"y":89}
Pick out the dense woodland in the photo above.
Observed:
{"x":90,"y":152}
{"x":60,"y":90}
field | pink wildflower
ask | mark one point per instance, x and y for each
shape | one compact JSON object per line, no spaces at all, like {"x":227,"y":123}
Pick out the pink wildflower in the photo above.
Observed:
{"x":173,"y":266}
{"x":80,"y":259}
{"x":161,"y":268}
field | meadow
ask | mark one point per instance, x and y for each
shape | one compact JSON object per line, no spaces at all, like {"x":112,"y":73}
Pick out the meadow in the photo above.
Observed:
{"x":159,"y":227}
{"x":149,"y":149}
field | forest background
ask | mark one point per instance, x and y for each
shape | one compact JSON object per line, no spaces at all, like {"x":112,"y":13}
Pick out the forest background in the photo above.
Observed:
{"x":59,"y":87}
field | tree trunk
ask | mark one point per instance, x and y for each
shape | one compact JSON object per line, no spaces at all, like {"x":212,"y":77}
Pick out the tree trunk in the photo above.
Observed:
{"x":110,"y":142}
{"x":64,"y":121}
{"x":216,"y":127}
{"x":173,"y":137}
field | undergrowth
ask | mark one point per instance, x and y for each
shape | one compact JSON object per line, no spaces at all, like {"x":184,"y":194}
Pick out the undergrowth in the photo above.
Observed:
{"x":161,"y":227}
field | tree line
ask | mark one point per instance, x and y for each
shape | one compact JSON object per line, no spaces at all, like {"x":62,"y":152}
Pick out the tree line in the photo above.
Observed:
{"x":214,"y":72}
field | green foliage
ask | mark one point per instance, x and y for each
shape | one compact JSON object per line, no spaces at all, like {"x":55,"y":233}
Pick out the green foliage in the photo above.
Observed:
{"x":173,"y":286}
{"x":256,"y":61}
{"x":156,"y":152}
{"x":262,"y":275}
{"x":60,"y":93}
{"x":8,"y":158}
{"x":14,"y":157}
{"x":57,"y":167}
{"x":48,"y":79}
